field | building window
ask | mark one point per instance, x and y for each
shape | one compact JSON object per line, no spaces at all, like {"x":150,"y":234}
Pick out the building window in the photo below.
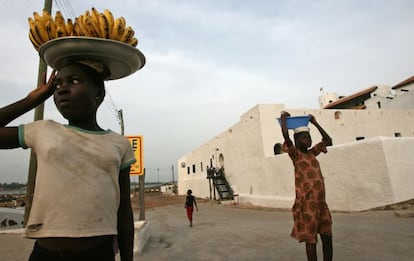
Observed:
{"x":188,"y":170}
{"x":379,"y":104}
{"x":360,"y":138}
{"x":193,"y":168}
{"x":338,"y":115}
{"x":201,"y":166}
{"x":397,"y":134}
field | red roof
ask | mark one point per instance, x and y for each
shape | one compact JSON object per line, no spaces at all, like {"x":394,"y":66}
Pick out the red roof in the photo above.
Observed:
{"x":350,"y":97}
{"x":403,"y":83}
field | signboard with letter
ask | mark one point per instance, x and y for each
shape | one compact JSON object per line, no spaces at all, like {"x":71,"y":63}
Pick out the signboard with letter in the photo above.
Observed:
{"x":137,"y":146}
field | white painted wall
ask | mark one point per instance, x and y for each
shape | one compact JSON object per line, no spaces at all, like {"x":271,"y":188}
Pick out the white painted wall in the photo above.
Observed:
{"x":358,"y":175}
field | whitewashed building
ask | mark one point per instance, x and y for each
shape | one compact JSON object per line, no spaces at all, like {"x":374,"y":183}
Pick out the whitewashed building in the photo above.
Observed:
{"x":370,"y":164}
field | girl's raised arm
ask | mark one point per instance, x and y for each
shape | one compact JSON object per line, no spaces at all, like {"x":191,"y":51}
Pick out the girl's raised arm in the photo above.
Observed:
{"x":325,"y":137}
{"x":285,"y":130}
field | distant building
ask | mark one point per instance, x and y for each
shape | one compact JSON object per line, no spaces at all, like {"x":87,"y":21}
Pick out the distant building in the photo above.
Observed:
{"x":400,"y":96}
{"x":168,"y":188}
{"x":370,"y":164}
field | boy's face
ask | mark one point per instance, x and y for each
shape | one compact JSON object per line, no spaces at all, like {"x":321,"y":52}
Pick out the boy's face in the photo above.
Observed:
{"x":303,"y":139}
{"x":75,"y":94}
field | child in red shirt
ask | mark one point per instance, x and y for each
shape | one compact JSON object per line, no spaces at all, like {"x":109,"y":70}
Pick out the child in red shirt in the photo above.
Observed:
{"x":190,"y":202}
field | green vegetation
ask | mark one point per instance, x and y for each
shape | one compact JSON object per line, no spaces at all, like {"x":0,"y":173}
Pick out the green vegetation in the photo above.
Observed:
{"x":11,"y":186}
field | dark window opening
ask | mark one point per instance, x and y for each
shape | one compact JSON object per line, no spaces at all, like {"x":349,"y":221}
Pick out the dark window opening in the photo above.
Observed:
{"x":201,"y":166}
{"x":188,"y":170}
{"x":379,"y":105}
{"x":277,"y":148}
{"x":193,"y":168}
{"x":338,"y":115}
{"x":359,"y":138}
{"x":397,"y":134}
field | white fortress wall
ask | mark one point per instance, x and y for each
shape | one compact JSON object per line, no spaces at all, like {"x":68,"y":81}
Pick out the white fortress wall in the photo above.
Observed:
{"x":358,"y":176}
{"x":399,"y":155}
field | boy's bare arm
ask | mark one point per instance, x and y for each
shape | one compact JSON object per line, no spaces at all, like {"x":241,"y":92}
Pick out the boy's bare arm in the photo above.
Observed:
{"x":325,"y":137}
{"x":125,"y":218}
{"x":9,"y":135}
{"x":285,"y":130}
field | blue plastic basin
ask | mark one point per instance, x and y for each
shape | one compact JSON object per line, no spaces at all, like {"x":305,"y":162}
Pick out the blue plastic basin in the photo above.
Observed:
{"x":296,"y":121}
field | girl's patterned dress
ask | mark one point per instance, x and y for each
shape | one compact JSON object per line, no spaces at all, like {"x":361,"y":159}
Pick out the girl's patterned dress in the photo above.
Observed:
{"x":310,"y":211}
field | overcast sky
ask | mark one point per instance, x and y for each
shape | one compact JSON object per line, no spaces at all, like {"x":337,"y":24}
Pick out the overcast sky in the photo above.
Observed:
{"x":208,"y":62}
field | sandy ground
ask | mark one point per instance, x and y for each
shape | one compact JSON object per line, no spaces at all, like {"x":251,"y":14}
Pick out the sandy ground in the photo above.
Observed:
{"x":237,"y":232}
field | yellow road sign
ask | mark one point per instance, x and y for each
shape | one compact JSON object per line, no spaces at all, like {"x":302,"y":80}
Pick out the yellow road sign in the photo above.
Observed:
{"x":137,"y":145}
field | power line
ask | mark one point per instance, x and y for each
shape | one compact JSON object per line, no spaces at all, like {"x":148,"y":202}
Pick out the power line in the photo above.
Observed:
{"x":112,"y":107}
{"x":69,"y":8}
{"x":66,"y":8}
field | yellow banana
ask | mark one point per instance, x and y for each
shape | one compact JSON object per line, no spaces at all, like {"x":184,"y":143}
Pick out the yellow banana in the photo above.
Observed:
{"x":87,"y":21}
{"x":69,"y":27}
{"x":95,"y":21}
{"x":41,"y":31}
{"x":96,"y":27}
{"x":49,"y":24}
{"x":123,"y":21}
{"x":60,"y":31}
{"x":37,"y":17}
{"x":34,"y":42}
{"x":76,"y":28}
{"x":33,"y":32}
{"x":110,"y":20}
{"x":103,"y":26}
{"x":95,"y":15}
{"x":46,"y":16}
{"x":84,"y":31}
{"x":59,"y":19}
{"x":50,"y":35}
{"x":118,"y":29}
{"x":127,"y":35}
{"x":133,"y":42}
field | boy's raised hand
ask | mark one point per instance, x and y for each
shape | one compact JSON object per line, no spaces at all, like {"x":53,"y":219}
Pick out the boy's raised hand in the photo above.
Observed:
{"x":44,"y":90}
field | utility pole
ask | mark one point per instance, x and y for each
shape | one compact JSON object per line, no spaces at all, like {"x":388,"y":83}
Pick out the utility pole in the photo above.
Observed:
{"x":121,"y":121}
{"x":141,"y":196}
{"x":172,"y":170}
{"x":38,"y":116}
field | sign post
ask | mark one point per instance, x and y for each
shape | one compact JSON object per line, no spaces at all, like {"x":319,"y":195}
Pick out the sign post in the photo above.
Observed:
{"x":137,"y":146}
{"x":137,"y":169}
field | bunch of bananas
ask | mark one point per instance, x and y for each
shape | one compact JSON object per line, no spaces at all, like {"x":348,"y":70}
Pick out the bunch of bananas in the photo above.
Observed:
{"x":91,"y":24}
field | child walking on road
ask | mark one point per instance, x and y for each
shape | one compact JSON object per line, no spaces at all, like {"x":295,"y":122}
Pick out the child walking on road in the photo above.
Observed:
{"x":310,"y":212}
{"x":190,"y":203}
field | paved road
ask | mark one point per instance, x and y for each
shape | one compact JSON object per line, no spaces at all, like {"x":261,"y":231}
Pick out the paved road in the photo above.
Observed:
{"x":226,"y":233}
